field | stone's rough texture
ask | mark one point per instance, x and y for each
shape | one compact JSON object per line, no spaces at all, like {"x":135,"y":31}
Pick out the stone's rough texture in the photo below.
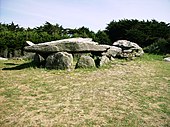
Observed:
{"x":104,"y":60}
{"x":60,"y":60}
{"x":113,"y":51}
{"x":105,"y":46}
{"x":167,"y":59}
{"x":139,"y":52}
{"x":28,"y":56}
{"x":67,"y":45}
{"x":129,"y":49}
{"x":42,"y":48}
{"x":85,"y":62}
{"x":78,"y":40}
{"x":112,"y":58}
{"x":125,"y":44}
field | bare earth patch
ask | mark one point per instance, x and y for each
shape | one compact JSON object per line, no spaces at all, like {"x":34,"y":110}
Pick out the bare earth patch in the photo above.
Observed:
{"x":134,"y":94}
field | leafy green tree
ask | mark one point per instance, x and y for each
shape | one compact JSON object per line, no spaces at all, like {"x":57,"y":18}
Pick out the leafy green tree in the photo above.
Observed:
{"x":82,"y":32}
{"x":153,"y":35}
{"x":161,"y":46}
{"x":145,"y":33}
{"x":102,"y":38}
{"x":136,"y":36}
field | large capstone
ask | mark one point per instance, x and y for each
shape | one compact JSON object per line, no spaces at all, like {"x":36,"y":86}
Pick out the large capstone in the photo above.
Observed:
{"x":60,"y":60}
{"x":85,"y":62}
{"x":72,"y":45}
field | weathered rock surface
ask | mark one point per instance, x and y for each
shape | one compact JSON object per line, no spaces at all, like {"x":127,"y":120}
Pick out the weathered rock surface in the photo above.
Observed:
{"x":55,"y":54}
{"x":125,"y":44}
{"x":60,"y":60}
{"x":113,"y":51}
{"x":104,"y":60}
{"x":28,"y":56}
{"x":85,"y":62}
{"x":129,"y":49}
{"x":67,"y":45}
{"x":167,"y":59}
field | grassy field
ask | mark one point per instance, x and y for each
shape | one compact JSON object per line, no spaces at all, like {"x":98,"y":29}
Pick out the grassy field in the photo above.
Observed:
{"x":122,"y":94}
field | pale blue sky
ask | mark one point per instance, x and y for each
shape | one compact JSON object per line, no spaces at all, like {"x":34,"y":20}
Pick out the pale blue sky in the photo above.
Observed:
{"x":94,"y":14}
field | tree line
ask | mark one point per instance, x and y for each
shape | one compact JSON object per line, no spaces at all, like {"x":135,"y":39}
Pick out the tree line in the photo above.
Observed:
{"x":152,"y":35}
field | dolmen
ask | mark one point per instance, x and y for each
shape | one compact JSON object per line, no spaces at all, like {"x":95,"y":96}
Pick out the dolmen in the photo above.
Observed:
{"x":87,"y":53}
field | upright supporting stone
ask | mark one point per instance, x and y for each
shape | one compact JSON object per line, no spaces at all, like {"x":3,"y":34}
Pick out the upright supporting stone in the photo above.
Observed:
{"x":113,"y":51}
{"x":60,"y":60}
{"x":104,"y":60}
{"x":38,"y":60}
{"x":85,"y":62}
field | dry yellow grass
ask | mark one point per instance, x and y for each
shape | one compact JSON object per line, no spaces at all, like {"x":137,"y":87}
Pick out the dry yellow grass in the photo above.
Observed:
{"x":134,"y":93}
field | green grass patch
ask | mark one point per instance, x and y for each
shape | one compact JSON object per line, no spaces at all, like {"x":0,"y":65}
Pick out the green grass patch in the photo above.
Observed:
{"x":123,"y":93}
{"x":151,"y":57}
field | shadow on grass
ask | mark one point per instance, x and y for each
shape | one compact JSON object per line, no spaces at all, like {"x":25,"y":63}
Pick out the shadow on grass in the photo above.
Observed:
{"x":21,"y":66}
{"x":10,"y":64}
